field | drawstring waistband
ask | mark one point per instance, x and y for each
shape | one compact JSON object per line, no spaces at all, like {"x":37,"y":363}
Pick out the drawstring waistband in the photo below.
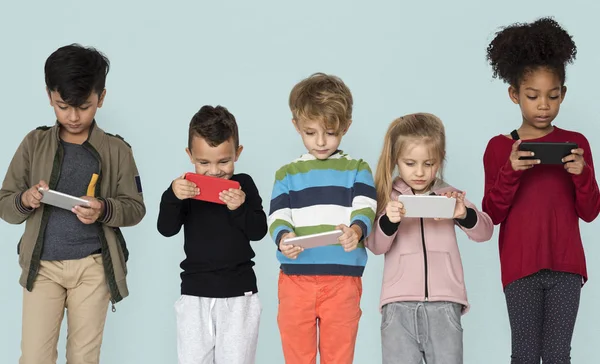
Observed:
{"x":425,"y":322}
{"x":213,"y":302}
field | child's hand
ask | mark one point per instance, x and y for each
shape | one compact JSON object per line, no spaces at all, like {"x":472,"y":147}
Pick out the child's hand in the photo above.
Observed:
{"x":395,"y":211}
{"x":349,"y":238}
{"x":31,"y":198}
{"x":184,"y":189}
{"x":234,"y":198}
{"x":89,"y":215}
{"x":518,"y":164}
{"x":575,"y":162}
{"x":460,"y":210}
{"x":289,"y":250}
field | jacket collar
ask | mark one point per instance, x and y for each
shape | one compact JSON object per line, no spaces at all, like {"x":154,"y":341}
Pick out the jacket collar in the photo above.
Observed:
{"x":94,"y":134}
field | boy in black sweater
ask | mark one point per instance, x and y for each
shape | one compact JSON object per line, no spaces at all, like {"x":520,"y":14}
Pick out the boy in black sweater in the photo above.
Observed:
{"x":218,"y":313}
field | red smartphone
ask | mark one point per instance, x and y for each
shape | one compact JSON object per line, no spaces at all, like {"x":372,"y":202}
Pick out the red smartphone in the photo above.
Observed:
{"x":210,"y":187}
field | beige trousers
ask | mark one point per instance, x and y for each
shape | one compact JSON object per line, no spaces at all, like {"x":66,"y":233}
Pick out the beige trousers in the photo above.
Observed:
{"x":79,"y":286}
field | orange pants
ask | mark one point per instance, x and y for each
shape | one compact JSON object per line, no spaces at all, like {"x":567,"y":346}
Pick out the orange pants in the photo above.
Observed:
{"x":332,"y":302}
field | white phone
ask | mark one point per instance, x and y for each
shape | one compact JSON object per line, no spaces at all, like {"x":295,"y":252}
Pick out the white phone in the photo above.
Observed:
{"x":428,"y":206}
{"x":62,"y":200}
{"x":315,"y":240}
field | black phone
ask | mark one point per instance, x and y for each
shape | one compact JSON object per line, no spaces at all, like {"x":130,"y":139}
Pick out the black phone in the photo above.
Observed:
{"x":547,"y":152}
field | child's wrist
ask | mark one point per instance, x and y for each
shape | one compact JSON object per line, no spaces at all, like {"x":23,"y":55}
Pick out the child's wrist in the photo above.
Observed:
{"x":357,"y":229}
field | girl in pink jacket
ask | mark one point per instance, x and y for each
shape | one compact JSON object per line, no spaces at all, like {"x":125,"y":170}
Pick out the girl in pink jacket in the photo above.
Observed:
{"x":423,"y":295}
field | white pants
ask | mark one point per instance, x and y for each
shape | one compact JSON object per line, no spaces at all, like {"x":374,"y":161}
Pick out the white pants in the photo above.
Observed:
{"x":217,"y":330}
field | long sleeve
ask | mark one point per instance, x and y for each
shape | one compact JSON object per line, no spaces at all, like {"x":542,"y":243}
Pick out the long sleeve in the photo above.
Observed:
{"x":15,"y":183}
{"x":501,"y":185}
{"x":379,"y":242}
{"x":587,"y":197}
{"x":364,"y":200}
{"x":171,"y":215}
{"x":280,"y":213}
{"x":250,"y":216}
{"x":477,"y":225}
{"x":127,"y":208}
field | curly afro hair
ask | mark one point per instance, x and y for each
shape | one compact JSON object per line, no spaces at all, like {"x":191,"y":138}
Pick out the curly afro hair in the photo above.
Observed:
{"x":521,"y":48}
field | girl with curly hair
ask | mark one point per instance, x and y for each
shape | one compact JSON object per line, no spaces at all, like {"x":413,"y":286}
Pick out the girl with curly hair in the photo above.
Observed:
{"x":538,"y":206}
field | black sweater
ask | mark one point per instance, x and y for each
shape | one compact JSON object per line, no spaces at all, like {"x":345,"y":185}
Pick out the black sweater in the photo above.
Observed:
{"x":218,"y":259}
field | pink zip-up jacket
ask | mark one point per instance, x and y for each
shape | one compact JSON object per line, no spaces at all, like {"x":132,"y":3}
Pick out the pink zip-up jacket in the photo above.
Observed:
{"x":422,"y":260}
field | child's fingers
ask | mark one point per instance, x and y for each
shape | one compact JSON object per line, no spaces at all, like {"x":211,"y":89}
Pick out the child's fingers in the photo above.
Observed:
{"x":343,"y":239}
{"x":515,"y":146}
{"x":187,"y":191}
{"x":342,"y":227}
{"x":294,"y":254}
{"x":36,"y":195}
{"x":290,"y":251}
{"x":528,"y":163}
{"x":184,"y":184}
{"x":578,"y":151}
{"x":395,"y":204}
{"x":236,"y":192}
{"x":525,"y":154}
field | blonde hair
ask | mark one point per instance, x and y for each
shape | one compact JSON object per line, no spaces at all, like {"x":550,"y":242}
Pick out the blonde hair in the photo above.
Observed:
{"x":323,"y":98}
{"x":408,"y":129}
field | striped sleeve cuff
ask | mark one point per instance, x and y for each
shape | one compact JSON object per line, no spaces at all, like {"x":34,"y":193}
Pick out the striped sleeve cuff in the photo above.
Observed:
{"x":19,"y":204}
{"x":108,"y":211}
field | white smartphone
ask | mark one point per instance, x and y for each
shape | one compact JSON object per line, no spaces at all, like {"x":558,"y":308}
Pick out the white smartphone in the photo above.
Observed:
{"x":428,"y":206}
{"x":62,"y":200}
{"x":315,"y":240}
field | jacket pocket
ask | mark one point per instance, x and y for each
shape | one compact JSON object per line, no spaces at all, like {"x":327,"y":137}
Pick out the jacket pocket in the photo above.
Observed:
{"x":122,"y":243}
{"x":443,"y":279}
{"x":387,"y":315}
{"x":404,"y":275}
{"x":20,"y":256}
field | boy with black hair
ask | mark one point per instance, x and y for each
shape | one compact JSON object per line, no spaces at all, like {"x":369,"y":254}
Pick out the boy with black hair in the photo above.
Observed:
{"x":218,"y":313}
{"x":71,"y":259}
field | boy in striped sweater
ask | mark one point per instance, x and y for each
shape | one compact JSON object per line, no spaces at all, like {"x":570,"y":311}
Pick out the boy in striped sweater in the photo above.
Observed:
{"x":321,"y":191}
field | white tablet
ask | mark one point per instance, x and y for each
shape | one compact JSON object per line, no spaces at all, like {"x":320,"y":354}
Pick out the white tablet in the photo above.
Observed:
{"x":428,"y":206}
{"x":315,"y":240}
{"x":62,"y":200}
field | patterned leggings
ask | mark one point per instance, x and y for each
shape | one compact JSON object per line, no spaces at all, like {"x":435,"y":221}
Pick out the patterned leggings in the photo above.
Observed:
{"x":542,"y":309}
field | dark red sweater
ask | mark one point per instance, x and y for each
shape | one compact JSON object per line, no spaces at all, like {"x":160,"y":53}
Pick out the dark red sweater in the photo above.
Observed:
{"x":539,"y":209}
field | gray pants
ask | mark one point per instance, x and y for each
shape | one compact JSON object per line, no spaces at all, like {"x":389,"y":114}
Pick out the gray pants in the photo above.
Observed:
{"x":415,"y":331}
{"x":217,"y":330}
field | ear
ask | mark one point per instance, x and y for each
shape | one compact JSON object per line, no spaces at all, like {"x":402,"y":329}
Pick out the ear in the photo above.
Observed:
{"x":563,"y":93}
{"x":513,"y":93}
{"x":238,"y":152}
{"x":101,"y":98}
{"x":296,"y":125}
{"x":189,"y":153}
{"x":347,"y":127}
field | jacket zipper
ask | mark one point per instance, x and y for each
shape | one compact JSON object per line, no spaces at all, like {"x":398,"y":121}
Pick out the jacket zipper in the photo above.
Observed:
{"x":93,"y":151}
{"x":55,"y":175}
{"x":37,"y":249}
{"x":425,"y":260}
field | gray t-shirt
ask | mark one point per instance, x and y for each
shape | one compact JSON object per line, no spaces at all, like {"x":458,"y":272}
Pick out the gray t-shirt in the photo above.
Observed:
{"x":66,"y":237}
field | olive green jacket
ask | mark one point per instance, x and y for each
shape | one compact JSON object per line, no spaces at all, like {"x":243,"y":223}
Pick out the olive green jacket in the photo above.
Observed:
{"x":39,"y":157}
